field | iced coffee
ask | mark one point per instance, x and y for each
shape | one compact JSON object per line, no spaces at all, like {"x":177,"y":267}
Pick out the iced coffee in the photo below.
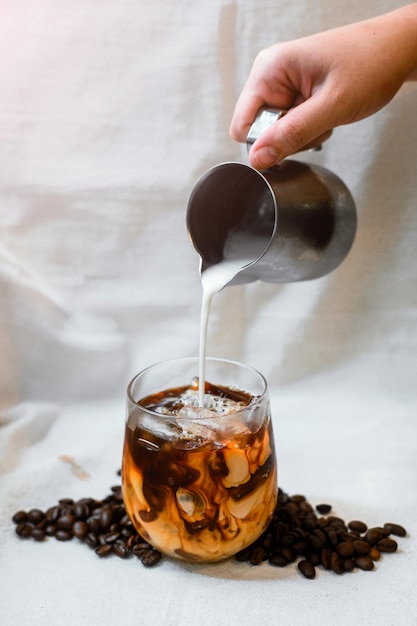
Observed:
{"x":199,"y":482}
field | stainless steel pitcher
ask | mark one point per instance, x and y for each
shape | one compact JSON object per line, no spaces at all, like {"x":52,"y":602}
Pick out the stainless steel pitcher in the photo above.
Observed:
{"x":294,"y":221}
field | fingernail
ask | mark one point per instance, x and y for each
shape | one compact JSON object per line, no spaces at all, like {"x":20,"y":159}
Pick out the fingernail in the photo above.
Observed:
{"x":265,"y":157}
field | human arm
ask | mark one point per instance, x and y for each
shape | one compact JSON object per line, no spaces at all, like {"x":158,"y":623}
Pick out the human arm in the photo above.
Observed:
{"x":325,"y":80}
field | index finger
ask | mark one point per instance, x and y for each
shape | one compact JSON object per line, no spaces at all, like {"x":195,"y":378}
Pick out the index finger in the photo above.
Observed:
{"x":244,"y":114}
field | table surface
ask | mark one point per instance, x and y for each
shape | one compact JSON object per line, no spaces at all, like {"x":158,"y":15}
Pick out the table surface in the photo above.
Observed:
{"x":357,"y":455}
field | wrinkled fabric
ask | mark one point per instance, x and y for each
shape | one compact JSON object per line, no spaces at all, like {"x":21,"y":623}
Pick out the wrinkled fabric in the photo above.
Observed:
{"x":109,"y":113}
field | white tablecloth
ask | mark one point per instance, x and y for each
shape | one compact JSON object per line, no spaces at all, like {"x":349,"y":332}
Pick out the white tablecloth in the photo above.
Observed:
{"x":109,"y":112}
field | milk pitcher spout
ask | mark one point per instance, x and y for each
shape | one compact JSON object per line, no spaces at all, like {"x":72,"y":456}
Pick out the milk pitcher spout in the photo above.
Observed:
{"x":295,"y":221}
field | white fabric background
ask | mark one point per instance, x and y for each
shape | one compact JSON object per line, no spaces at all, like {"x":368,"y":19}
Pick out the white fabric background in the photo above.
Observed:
{"x":110,"y":110}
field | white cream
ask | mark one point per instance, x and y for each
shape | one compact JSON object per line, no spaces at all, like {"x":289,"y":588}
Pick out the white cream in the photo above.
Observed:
{"x":213,"y":280}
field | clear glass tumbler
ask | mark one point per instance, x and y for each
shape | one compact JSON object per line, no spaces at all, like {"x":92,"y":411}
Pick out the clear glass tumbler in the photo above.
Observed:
{"x":199,"y":484}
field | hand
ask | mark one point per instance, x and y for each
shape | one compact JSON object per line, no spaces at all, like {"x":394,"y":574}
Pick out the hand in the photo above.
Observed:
{"x":326,"y":80}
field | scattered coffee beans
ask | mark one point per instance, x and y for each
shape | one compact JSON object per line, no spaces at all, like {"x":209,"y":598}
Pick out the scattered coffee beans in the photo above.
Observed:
{"x":295,"y":534}
{"x":101,"y":524}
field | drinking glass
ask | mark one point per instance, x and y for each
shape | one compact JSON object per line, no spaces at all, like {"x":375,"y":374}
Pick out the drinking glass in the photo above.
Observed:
{"x":199,"y":484}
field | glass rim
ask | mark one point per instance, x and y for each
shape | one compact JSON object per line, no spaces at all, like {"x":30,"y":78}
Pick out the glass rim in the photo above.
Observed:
{"x":255,"y":400}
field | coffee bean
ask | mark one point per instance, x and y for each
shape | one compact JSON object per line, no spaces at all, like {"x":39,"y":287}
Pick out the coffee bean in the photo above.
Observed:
{"x":103,"y":550}
{"x":348,"y":565}
{"x":337,"y":522}
{"x":88,"y":502}
{"x":298,"y":498}
{"x":364,"y":562}
{"x":361,"y":546}
{"x":93,"y":524}
{"x":42,"y":524}
{"x":311,"y":522}
{"x":118,"y":512}
{"x":288,"y":539}
{"x":332,"y":537}
{"x":292,"y":507}
{"x":323,"y":509}
{"x":127,"y":531}
{"x":278,"y":560}
{"x":336,"y":563}
{"x":151,"y":558}
{"x":121,"y":550}
{"x":258,"y":555}
{"x":35,"y":516}
{"x":50,"y":530}
{"x":106,"y":517}
{"x":372,"y":536}
{"x":374,"y":554}
{"x":102,"y":539}
{"x":305,"y":507}
{"x":359,"y":527}
{"x":387,"y":545}
{"x":349,"y":536}
{"x":132,"y":540}
{"x":125,"y":521}
{"x":63,"y":535}
{"x":266,"y":540}
{"x":79,"y":529}
{"x":19,"y":517}
{"x":320,"y":534}
{"x":66,"y":509}
{"x":142,"y":547}
{"x":111,"y":537}
{"x":320,"y":522}
{"x":66,"y":501}
{"x":326,"y":558}
{"x":395,"y":529}
{"x":81,"y":511}
{"x":38,"y":534}
{"x":91,"y":540}
{"x":300,"y":547}
{"x":307,"y":569}
{"x":313,"y":557}
{"x":24,"y":530}
{"x":65,"y":522}
{"x":52,"y":513}
{"x":315,"y":542}
{"x":114,"y":528}
{"x":289,"y":554}
{"x":345,"y":549}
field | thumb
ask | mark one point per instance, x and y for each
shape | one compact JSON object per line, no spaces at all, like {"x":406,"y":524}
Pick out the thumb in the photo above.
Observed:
{"x":302,"y":126}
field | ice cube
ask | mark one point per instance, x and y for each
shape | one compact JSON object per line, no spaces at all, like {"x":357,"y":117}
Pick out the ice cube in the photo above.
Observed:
{"x":163,"y":427}
{"x":195,"y":413}
{"x":198,"y":422}
{"x":221,"y":406}
{"x":189,"y":397}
